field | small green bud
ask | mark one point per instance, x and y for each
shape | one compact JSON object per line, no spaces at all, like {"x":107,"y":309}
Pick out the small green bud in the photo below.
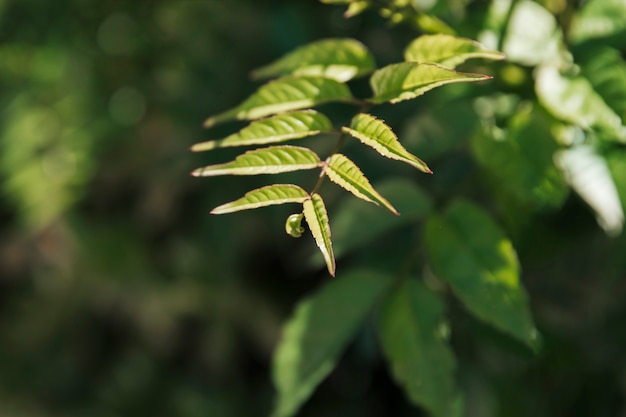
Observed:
{"x":293,"y":226}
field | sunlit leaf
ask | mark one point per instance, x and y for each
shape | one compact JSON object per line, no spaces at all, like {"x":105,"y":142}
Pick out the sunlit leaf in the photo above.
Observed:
{"x":588,"y":174}
{"x":356,"y":224}
{"x":531,"y":44}
{"x":375,"y":133}
{"x":467,"y":249}
{"x":284,"y":94}
{"x":279,"y":128}
{"x":447,"y":50}
{"x":598,"y":19}
{"x":429,"y":23}
{"x":411,"y":326}
{"x":407,"y":80}
{"x":317,"y":334}
{"x":357,"y":7}
{"x":339,"y":59}
{"x":573,"y":99}
{"x":317,"y":218}
{"x":272,"y":160}
{"x":523,"y":154}
{"x":264,"y":196}
{"x":343,"y":172}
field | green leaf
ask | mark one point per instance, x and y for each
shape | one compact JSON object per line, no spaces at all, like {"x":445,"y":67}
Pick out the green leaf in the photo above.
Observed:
{"x":467,"y":249}
{"x":348,"y":224}
{"x":279,"y":128}
{"x":412,"y":330}
{"x":272,"y":160}
{"x":598,"y":19}
{"x":285,"y":94}
{"x":317,"y":334}
{"x":375,"y":133}
{"x":523,"y":153}
{"x":293,"y":225}
{"x":446,"y":50}
{"x":264,"y":196}
{"x":606,"y":71}
{"x":339,"y":59}
{"x":317,"y":218}
{"x":356,"y":8}
{"x":347,"y":175}
{"x":407,"y":80}
{"x":573,"y":99}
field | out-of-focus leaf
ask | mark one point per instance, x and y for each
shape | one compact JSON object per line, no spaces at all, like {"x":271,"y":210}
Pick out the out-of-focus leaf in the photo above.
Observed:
{"x":467,"y":249}
{"x":279,"y":128}
{"x":532,"y":35}
{"x":375,"y":133}
{"x":589,"y":176}
{"x":285,"y":94}
{"x":318,"y":332}
{"x":573,"y":99}
{"x":407,"y":80}
{"x":410,"y":329}
{"x":343,"y":172}
{"x":521,"y":159}
{"x":446,"y":50}
{"x":339,"y":59}
{"x":598,"y":19}
{"x":616,"y":161}
{"x":606,"y":71}
{"x":357,"y":224}
{"x":264,"y":196}
{"x":432,"y":24}
{"x":272,"y":160}
{"x":356,"y":8}
{"x":317,"y":218}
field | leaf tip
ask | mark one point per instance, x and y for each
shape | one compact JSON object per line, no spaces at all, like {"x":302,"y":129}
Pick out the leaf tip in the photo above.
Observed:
{"x":196,"y":172}
{"x":210,"y":122}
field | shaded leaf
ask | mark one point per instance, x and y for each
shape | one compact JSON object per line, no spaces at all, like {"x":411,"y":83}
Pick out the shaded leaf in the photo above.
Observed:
{"x":357,"y":224}
{"x":272,"y":160}
{"x":407,"y":80}
{"x":410,"y":329}
{"x":467,"y":249}
{"x":523,"y":153}
{"x":447,"y":50}
{"x":317,"y":218}
{"x":339,"y":59}
{"x":606,"y":71}
{"x":375,"y":133}
{"x":264,"y":196}
{"x":573,"y":99}
{"x":317,"y":334}
{"x":343,"y":172}
{"x":279,"y":128}
{"x":284,"y":94}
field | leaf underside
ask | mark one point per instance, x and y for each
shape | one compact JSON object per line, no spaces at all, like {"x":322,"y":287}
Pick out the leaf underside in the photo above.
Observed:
{"x":279,"y":128}
{"x":272,"y":160}
{"x":376,"y":134}
{"x":317,"y":218}
{"x":339,"y":59}
{"x":407,"y":80}
{"x":285,"y":94}
{"x":446,"y":50}
{"x":264,"y":196}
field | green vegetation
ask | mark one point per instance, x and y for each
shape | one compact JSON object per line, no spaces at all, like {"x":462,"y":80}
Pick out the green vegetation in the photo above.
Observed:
{"x":458,"y":167}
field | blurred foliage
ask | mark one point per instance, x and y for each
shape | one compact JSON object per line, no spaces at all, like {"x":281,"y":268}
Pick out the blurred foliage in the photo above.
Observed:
{"x":121,"y":296}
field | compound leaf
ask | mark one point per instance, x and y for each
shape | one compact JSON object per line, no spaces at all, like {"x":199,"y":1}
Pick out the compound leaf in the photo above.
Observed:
{"x":343,"y":172}
{"x":339,"y":59}
{"x":376,"y":134}
{"x":407,"y":80}
{"x":411,"y":329}
{"x":272,"y":160}
{"x":264,"y":196}
{"x":317,"y":218}
{"x":447,"y":50}
{"x":279,"y":128}
{"x":467,"y":249}
{"x":318,"y":332}
{"x":284,"y":94}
